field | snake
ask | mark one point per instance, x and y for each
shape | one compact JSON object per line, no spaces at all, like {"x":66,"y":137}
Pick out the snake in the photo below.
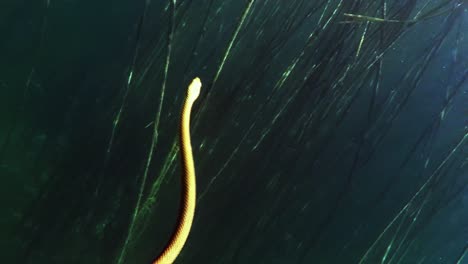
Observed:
{"x":188,"y":193}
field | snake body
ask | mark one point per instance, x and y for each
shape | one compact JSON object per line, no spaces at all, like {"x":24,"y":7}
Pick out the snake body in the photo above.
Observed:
{"x":188,"y":194}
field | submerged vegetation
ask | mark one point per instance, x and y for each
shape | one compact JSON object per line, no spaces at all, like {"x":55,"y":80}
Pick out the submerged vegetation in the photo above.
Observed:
{"x":328,"y":131}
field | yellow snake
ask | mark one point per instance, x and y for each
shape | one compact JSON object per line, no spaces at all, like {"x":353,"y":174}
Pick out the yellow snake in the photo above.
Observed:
{"x":187,"y":207}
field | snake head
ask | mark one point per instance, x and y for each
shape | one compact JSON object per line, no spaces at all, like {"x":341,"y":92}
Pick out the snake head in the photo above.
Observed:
{"x":193,"y":90}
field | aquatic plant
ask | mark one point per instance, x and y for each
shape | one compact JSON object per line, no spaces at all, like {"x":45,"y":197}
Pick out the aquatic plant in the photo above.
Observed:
{"x":327,"y":131}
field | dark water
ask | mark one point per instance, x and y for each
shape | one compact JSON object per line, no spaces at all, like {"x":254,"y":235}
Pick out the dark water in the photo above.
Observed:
{"x":319,"y":137}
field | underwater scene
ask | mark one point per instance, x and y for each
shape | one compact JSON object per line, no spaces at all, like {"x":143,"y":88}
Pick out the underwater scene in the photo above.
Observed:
{"x":234,"y":131}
